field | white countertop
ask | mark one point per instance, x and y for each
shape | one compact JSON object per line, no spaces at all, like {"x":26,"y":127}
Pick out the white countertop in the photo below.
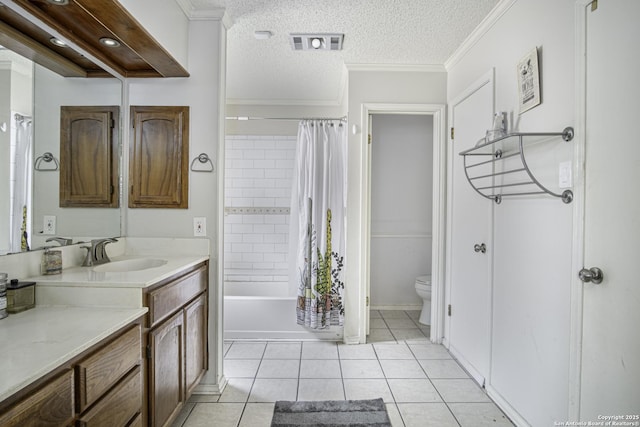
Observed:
{"x":36,"y":341}
{"x":88,"y":276}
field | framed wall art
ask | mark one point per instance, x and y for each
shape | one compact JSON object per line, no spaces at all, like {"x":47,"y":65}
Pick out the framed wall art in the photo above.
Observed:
{"x":528,"y":81}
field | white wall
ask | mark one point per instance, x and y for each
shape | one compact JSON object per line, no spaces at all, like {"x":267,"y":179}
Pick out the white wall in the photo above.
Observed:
{"x":202,"y":92}
{"x":16,"y":96}
{"x":370,"y":86}
{"x":5,"y":152}
{"x":50,"y":92}
{"x":401,"y":207}
{"x":532,"y":235}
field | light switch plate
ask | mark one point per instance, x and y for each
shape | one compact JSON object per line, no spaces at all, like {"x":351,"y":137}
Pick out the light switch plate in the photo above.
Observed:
{"x":199,"y":226}
{"x":564,"y":175}
{"x":49,"y":225}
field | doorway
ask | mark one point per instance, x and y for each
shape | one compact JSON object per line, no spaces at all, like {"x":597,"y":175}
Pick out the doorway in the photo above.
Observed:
{"x":437,"y":116}
{"x":401,"y":206}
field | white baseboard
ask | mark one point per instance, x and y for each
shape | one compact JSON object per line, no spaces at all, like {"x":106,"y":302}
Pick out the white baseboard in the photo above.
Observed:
{"x":211,"y":389}
{"x":509,"y":411}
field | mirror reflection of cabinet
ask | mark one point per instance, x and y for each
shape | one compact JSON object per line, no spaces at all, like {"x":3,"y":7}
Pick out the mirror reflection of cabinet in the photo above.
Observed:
{"x":158,"y":158}
{"x":89,"y":156}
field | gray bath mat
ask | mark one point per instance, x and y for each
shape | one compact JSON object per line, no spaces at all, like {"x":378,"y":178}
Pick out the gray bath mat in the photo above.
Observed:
{"x":331,"y":413}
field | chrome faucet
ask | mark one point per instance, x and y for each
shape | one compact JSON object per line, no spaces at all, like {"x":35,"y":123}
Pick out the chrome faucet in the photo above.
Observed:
{"x":96,"y":253}
{"x":62,"y":240}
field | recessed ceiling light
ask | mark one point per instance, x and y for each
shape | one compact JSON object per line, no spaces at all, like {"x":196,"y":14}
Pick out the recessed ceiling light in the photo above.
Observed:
{"x":322,"y":41}
{"x":262,"y":35}
{"x":316,"y":43}
{"x":57,"y":42}
{"x":58,"y":2}
{"x":109,"y":42}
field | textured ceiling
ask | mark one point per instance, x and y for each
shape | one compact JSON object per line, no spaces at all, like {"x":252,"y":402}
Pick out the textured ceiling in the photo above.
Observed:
{"x":410,"y":32}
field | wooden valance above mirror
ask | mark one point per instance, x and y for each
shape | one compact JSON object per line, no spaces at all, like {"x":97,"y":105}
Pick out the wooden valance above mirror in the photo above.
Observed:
{"x":84,"y":23}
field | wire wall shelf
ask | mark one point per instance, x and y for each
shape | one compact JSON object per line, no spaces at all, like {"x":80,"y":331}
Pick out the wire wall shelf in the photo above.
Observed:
{"x":498,"y":168}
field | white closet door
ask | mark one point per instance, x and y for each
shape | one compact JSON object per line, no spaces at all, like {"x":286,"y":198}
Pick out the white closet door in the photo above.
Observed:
{"x":611,"y":310}
{"x":471,"y":216}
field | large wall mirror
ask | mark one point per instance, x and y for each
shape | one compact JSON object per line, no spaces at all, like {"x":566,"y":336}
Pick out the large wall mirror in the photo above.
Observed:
{"x":30,"y":101}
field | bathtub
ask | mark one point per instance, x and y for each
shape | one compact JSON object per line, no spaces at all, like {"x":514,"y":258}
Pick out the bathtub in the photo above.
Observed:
{"x":251,"y":316}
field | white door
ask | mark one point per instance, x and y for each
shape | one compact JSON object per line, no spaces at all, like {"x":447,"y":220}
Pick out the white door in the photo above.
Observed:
{"x":611,"y":310}
{"x":469,"y":271}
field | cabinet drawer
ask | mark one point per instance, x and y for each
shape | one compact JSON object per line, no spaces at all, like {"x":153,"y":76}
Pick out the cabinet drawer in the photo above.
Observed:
{"x":50,"y":405}
{"x":167,"y":299}
{"x":119,"y":407}
{"x":100,"y":371}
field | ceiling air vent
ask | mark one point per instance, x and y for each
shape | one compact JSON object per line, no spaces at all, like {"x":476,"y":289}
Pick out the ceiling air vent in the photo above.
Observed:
{"x":316,"y":41}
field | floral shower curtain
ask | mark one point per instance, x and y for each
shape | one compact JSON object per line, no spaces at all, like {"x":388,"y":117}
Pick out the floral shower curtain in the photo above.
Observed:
{"x":318,"y":223}
{"x":21,"y":178}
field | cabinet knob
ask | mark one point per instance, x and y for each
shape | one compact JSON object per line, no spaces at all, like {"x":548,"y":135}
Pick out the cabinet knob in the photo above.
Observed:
{"x":593,"y":275}
{"x":480,"y":247}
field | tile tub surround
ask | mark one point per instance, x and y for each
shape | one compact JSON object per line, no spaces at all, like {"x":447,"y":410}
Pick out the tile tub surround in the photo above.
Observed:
{"x":420,"y":383}
{"x":259,"y":171}
{"x":39,"y":340}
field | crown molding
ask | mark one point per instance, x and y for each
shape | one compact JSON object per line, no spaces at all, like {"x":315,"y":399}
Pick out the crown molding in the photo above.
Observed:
{"x":23,"y":67}
{"x":412,"y":68}
{"x":204,"y":14}
{"x":485,"y":25}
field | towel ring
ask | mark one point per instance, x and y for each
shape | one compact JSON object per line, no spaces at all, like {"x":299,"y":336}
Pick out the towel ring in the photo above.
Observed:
{"x":47,"y":158}
{"x":202,"y":158}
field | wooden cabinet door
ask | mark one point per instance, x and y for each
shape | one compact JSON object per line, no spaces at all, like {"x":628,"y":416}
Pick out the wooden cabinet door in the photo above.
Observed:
{"x":89,"y":156}
{"x":166,"y":370}
{"x":195,"y":325}
{"x":158,"y":165}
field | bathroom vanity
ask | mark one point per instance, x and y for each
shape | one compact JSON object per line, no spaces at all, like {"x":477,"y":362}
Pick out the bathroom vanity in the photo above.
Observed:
{"x":138,"y":366}
{"x":64,"y":364}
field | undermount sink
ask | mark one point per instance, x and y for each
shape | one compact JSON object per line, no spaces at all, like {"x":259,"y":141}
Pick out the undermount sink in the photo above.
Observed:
{"x":125,"y":265}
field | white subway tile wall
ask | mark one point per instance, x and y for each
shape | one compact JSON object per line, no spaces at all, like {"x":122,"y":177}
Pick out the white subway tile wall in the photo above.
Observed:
{"x":258,"y":173}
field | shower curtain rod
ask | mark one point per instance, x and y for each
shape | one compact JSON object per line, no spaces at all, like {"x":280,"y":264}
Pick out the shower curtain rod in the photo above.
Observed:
{"x":19,"y":117}
{"x":297,"y":119}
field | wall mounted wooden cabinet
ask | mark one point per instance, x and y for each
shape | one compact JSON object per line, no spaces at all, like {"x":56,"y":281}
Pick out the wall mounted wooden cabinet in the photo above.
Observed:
{"x":158,"y":158}
{"x":89,"y":156}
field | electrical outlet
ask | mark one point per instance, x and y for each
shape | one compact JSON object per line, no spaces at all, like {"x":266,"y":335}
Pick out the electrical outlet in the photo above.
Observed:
{"x":199,"y":226}
{"x":49,"y":225}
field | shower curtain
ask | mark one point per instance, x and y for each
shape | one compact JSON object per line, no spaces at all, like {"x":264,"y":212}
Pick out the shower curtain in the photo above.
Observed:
{"x":317,"y":233}
{"x":21,"y":189}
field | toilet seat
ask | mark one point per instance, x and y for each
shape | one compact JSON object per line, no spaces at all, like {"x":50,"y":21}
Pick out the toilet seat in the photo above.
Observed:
{"x":424,"y":282}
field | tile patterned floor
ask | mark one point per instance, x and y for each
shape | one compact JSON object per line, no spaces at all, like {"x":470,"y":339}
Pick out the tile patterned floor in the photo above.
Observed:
{"x":419,"y":382}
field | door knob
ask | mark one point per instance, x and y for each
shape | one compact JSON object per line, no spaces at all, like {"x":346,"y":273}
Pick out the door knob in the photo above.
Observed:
{"x":480,"y":247}
{"x":594,"y":275}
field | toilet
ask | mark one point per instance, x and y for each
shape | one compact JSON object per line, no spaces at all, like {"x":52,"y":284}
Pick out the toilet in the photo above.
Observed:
{"x":423,"y":288}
